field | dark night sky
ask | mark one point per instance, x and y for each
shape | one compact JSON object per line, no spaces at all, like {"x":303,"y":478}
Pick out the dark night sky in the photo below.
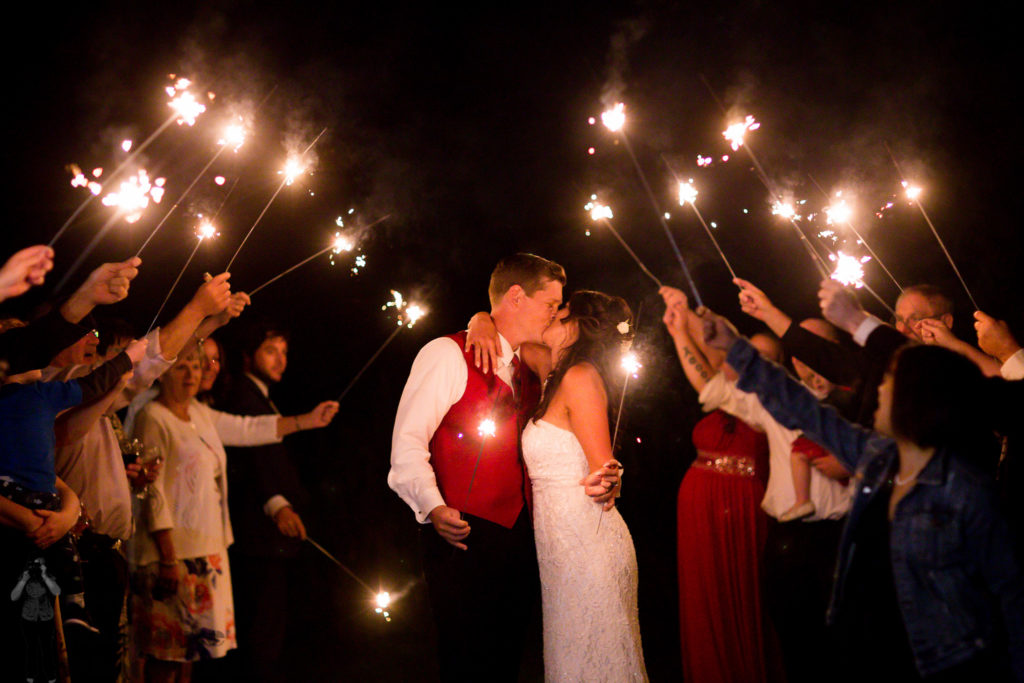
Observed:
{"x":469,"y":127}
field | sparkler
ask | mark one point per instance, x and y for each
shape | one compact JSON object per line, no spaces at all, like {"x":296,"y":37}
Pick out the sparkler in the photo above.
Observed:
{"x":614,"y":120}
{"x":382,"y":599}
{"x":840,"y":212}
{"x":688,"y":195}
{"x":291,"y":170}
{"x":409,"y":314}
{"x":204,"y":231}
{"x":134,"y":194}
{"x":339,"y":244}
{"x":233,"y":136}
{"x":849,"y":269}
{"x":117,"y":171}
{"x":631,"y":364}
{"x":913,"y":193}
{"x":603,"y":213}
{"x":736,"y":132}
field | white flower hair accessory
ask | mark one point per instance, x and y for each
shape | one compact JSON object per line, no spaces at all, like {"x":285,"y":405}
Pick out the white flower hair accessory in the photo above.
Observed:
{"x":623,"y":327}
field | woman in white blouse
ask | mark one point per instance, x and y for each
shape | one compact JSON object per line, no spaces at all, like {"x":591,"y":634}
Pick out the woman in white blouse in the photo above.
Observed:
{"x":183,"y":609}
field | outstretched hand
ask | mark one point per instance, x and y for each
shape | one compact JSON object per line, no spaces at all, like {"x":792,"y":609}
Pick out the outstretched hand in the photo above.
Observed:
{"x":753,"y":301}
{"x":840,"y":307}
{"x":994,"y":337}
{"x":213,"y":296}
{"x":676,"y":310}
{"x":719,"y":333}
{"x":320,"y":416}
{"x":24,"y":269}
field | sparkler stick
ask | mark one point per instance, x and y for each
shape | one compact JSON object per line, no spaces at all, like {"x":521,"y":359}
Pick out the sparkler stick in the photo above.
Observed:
{"x":289,"y":176}
{"x":408,"y":314}
{"x":614,"y":119}
{"x":381,"y":598}
{"x":913,"y":194}
{"x":631,"y":365}
{"x":100,"y":234}
{"x":600,"y":212}
{"x":863,"y":241}
{"x":205,"y":231}
{"x":117,"y":171}
{"x":183,"y":195}
{"x":688,"y":195}
{"x":337,"y":246}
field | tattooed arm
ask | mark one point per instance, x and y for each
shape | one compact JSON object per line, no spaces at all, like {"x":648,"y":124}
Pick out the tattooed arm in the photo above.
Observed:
{"x":678,"y":320}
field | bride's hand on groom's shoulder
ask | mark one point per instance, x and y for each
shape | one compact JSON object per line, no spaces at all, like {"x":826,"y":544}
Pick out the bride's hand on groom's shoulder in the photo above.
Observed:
{"x":449,"y":525}
{"x":482,"y":337}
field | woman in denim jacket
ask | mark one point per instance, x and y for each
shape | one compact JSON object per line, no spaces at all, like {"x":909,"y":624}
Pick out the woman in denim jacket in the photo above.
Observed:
{"x":927,"y":583}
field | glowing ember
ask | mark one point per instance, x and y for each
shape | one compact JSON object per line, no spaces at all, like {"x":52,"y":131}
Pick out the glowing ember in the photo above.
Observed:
{"x":615,"y":118}
{"x":126,"y":145}
{"x":234,"y":136}
{"x":785,"y":209}
{"x":736,"y":132}
{"x":97,"y":172}
{"x":134,"y":195}
{"x":205,"y":230}
{"x":913,"y":191}
{"x":187,"y":107}
{"x":598,"y":211}
{"x":220,"y":180}
{"x":849,"y":269}
{"x":687,"y":192}
{"x":838,"y":213}
{"x":631,"y":364}
{"x":703,"y":161}
{"x":408,"y":312}
{"x":487,"y":427}
{"x":292,"y":169}
{"x":341,"y":244}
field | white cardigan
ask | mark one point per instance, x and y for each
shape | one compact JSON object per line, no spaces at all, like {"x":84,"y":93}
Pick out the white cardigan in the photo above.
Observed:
{"x":190,"y":494}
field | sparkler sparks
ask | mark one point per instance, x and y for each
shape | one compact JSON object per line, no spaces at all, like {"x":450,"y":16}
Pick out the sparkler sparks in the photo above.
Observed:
{"x":205,"y":230}
{"x":126,"y":145}
{"x":735,"y":133}
{"x":134,"y":194}
{"x":786,"y":210}
{"x":408,"y":312}
{"x":849,"y":269}
{"x":383,"y":600}
{"x":913,"y":191}
{"x":234,"y":136}
{"x":687,"y":192}
{"x":615,"y":118}
{"x":487,"y":427}
{"x":184,"y":103}
{"x":838,"y":213}
{"x":599,"y":211}
{"x":293,"y":168}
{"x":631,"y":364}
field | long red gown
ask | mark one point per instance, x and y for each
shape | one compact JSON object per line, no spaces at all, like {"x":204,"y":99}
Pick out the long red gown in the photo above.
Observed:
{"x":721,"y":536}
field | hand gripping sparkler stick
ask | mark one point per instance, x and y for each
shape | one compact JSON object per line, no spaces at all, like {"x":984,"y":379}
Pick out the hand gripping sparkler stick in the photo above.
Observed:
{"x":288,"y":178}
{"x":913,"y":193}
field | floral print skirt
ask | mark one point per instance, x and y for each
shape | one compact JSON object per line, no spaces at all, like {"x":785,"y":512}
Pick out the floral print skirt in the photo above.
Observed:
{"x":196,"y":623}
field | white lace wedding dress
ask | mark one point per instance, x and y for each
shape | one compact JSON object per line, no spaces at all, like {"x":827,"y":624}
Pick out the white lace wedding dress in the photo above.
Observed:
{"x":587,"y":568}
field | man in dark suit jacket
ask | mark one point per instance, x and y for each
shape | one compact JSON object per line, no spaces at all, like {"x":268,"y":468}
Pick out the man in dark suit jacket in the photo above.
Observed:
{"x":264,"y":493}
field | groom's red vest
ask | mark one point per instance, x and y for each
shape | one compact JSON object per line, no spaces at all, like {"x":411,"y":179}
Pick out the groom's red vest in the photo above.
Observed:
{"x":500,"y":487}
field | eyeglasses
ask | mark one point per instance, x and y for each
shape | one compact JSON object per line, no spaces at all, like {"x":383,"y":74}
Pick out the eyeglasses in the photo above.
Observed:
{"x":914,"y":320}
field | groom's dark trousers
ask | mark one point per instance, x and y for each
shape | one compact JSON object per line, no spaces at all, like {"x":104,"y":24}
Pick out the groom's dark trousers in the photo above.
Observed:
{"x":483,"y":598}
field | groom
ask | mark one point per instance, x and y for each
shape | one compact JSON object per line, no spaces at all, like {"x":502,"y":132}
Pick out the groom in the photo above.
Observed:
{"x":469,"y":481}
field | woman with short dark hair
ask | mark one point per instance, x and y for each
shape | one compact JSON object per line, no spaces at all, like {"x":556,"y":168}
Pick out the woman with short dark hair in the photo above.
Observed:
{"x":927,"y":586}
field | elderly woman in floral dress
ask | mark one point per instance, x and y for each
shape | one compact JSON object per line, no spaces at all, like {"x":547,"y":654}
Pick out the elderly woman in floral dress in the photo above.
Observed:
{"x":183,"y":608}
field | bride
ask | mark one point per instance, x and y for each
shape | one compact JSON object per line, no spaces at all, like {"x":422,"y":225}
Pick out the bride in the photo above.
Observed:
{"x":587,"y":562}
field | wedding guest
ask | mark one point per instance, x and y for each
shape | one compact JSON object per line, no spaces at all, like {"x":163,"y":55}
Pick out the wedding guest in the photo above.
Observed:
{"x":927,"y":586}
{"x":183,"y":607}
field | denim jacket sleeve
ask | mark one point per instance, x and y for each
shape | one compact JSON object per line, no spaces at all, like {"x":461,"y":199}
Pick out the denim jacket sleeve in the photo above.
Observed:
{"x":992,"y":549}
{"x":794,"y":407}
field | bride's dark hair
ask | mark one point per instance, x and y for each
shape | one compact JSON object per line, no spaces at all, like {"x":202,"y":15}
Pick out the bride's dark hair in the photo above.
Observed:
{"x":600,"y":343}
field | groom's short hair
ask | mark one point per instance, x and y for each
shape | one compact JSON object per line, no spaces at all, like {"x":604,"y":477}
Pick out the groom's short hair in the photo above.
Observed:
{"x":529,"y":271}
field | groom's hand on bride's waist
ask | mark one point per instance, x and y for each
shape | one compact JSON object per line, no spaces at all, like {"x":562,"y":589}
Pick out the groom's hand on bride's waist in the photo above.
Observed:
{"x":449,"y":525}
